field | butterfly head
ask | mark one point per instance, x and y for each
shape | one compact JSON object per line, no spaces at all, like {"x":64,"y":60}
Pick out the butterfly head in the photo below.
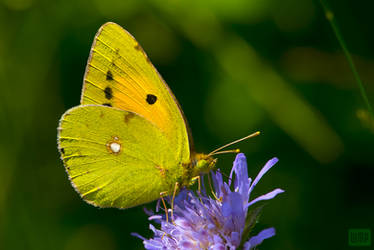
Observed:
{"x":203,"y":164}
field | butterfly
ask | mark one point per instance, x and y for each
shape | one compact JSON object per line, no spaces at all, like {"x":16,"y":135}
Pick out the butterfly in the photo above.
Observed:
{"x":128,"y":141}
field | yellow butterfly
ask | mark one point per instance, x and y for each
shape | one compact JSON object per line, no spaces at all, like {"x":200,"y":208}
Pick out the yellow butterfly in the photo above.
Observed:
{"x":128,"y":142}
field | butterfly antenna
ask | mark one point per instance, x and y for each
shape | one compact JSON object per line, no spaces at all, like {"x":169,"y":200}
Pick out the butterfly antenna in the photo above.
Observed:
{"x":217,"y":151}
{"x":226,"y":152}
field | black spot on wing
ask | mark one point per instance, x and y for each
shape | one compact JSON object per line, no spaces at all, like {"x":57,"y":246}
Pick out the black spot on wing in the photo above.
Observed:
{"x":151,"y":99}
{"x":109,"y":75}
{"x":107,"y":104}
{"x":108,"y":93}
{"x":62,"y":150}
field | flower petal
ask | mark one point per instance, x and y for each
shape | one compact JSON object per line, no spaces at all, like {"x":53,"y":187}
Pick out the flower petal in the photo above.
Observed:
{"x":217,"y":182}
{"x":138,"y":236}
{"x":233,"y":212}
{"x":259,"y":238}
{"x":235,"y":238}
{"x":155,"y":217}
{"x":263,"y":171}
{"x":267,"y":196}
{"x":241,"y":176}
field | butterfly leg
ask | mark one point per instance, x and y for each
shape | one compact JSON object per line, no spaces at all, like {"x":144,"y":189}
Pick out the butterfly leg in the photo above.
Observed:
{"x":176,"y":186}
{"x":162,"y":195}
{"x":165,"y":193}
{"x":198,"y":178}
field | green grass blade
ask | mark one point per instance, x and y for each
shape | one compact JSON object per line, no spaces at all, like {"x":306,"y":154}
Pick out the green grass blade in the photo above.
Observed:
{"x":330,"y":17}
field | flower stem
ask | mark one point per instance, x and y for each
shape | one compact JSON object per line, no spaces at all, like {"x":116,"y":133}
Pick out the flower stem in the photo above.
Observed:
{"x":330,"y":17}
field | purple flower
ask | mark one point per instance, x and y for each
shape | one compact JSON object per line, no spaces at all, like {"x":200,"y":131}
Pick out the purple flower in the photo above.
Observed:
{"x":223,"y":222}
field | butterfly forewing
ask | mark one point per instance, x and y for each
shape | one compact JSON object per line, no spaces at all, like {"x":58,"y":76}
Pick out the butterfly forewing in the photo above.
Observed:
{"x":119,"y":74}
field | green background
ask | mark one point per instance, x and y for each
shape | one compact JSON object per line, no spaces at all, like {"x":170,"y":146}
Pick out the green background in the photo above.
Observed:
{"x":236,"y":67}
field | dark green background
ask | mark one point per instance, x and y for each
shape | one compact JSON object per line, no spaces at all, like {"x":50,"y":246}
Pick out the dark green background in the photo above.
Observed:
{"x":236,"y":67}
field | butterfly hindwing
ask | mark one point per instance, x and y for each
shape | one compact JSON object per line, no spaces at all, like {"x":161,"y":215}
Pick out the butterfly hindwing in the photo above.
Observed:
{"x":119,"y":74}
{"x":116,"y":158}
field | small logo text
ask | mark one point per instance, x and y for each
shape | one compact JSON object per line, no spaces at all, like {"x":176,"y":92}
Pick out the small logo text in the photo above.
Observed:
{"x":359,"y":237}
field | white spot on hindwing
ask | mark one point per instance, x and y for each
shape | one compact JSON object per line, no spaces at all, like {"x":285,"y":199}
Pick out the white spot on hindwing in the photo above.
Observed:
{"x":114,"y":145}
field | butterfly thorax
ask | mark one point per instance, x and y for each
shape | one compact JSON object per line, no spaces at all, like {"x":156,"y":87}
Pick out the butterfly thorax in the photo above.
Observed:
{"x":199,"y":164}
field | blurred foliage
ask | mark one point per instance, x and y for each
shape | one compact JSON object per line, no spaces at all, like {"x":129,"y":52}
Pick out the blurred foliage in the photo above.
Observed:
{"x":236,"y":67}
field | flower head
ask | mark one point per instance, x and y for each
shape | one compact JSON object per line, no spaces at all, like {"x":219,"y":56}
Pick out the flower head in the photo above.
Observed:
{"x":222,"y":222}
